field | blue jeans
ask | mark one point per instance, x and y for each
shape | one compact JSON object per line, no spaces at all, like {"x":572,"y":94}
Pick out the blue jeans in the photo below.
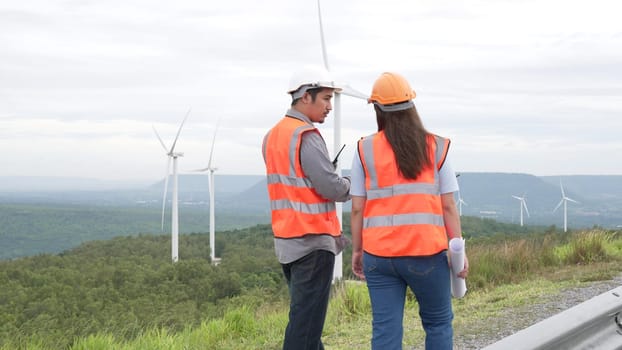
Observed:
{"x":428,"y":278}
{"x":309,"y":280}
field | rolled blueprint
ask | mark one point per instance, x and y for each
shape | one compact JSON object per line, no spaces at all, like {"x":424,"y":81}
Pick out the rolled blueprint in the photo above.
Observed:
{"x":456,"y":259}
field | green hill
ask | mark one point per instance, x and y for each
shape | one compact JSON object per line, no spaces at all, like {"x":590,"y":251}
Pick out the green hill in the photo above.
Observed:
{"x":124,"y":292}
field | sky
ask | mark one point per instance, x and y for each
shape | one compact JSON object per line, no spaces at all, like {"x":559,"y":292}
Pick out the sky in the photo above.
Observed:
{"x":518,"y":86}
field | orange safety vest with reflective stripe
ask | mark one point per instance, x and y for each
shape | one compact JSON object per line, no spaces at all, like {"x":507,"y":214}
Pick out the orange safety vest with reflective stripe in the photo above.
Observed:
{"x":297,"y":209}
{"x":402,"y":217}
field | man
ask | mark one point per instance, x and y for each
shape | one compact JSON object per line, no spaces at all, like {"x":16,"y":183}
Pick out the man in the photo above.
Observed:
{"x":303,"y":188}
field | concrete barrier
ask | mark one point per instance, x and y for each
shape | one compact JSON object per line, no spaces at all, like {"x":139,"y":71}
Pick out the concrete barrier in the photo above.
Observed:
{"x":593,"y":324}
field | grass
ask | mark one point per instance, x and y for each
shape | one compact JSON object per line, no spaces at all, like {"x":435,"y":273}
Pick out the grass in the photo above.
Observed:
{"x":504,"y":276}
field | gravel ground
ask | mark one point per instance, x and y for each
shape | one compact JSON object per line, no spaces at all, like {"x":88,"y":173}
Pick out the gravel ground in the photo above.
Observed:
{"x":527,"y":315}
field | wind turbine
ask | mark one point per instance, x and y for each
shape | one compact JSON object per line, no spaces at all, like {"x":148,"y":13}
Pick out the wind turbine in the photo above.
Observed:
{"x":212,"y":191}
{"x":564,"y":200}
{"x":171,"y":154}
{"x":460,"y":200}
{"x":346,"y":90}
{"x":460,"y":203}
{"x":522,"y":205}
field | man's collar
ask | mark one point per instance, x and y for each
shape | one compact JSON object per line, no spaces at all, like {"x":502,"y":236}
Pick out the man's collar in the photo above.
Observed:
{"x":298,"y":115}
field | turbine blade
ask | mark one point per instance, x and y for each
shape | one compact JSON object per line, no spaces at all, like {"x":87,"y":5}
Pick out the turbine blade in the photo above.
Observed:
{"x":558,"y":204}
{"x":324,"y":56}
{"x":159,"y":139}
{"x":349,"y":91}
{"x":179,"y":131}
{"x":199,"y":170}
{"x":168,"y":171}
{"x":572,"y":200}
{"x":211,"y":153}
{"x":517,"y":197}
{"x":525,"y":206}
{"x":562,"y":187}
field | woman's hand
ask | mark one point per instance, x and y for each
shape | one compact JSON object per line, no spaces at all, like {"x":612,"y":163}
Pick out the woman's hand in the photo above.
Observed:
{"x":357,"y":264}
{"x":465,"y":270}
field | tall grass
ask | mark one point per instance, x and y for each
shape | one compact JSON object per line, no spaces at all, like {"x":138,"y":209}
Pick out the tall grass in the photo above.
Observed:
{"x":350,"y":299}
{"x":586,"y":247}
{"x":513,"y":261}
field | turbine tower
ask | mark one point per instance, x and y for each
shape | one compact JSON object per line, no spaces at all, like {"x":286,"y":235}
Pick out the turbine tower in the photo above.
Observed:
{"x":212,"y":191}
{"x":171,"y":154}
{"x":346,"y":90}
{"x":522,"y":205}
{"x":565,"y":201}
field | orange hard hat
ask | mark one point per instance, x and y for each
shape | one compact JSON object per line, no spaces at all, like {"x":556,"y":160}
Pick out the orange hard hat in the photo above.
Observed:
{"x":391,"y":92}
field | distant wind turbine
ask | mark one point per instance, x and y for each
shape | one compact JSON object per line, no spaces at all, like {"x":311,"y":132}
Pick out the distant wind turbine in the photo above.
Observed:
{"x":171,"y":154}
{"x":564,"y":200}
{"x":346,"y":90}
{"x":212,"y":191}
{"x":460,"y":203}
{"x":522,"y":205}
{"x":460,"y":200}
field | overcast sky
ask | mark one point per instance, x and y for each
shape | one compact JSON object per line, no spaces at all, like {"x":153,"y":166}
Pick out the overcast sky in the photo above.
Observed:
{"x":519,"y":86}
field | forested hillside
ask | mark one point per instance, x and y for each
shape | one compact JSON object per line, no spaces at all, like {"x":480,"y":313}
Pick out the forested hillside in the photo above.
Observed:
{"x":128,"y":284}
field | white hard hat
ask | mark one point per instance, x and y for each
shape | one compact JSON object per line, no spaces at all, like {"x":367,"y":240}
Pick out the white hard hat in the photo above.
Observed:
{"x":310,"y":77}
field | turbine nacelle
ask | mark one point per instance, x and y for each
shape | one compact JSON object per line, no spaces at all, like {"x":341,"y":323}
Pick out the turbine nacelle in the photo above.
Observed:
{"x":523,"y":203}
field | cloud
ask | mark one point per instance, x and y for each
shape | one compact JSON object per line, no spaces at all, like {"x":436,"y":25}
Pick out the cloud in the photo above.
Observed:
{"x":82,"y":82}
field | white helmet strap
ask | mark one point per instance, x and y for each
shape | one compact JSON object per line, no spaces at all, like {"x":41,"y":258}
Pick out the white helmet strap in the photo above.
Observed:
{"x":301,"y":91}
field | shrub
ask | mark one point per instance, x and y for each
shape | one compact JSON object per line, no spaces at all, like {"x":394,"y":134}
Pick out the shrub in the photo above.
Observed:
{"x":587,"y":247}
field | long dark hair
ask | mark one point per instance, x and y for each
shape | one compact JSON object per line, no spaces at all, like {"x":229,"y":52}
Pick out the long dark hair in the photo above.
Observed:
{"x":408,"y":139}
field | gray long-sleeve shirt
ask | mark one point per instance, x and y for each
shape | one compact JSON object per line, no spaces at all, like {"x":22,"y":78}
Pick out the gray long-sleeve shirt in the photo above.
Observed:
{"x":319,"y":169}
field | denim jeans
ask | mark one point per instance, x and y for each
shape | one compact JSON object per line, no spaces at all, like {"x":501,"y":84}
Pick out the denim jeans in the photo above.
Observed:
{"x":309,"y":280}
{"x":428,"y":278}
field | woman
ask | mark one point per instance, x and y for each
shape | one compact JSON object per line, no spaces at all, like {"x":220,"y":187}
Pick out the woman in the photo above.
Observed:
{"x":403,"y":214}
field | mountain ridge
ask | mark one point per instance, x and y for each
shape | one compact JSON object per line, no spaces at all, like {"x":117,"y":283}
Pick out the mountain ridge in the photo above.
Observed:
{"x":485,"y":194}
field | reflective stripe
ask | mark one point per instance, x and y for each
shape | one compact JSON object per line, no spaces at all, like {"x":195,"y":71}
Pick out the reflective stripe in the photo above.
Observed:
{"x":288,"y":180}
{"x":293,"y":147}
{"x":264,"y":145}
{"x":402,"y":189}
{"x":403,"y":219}
{"x":317,"y":208}
{"x":368,"y":152}
{"x":440,"y":148}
